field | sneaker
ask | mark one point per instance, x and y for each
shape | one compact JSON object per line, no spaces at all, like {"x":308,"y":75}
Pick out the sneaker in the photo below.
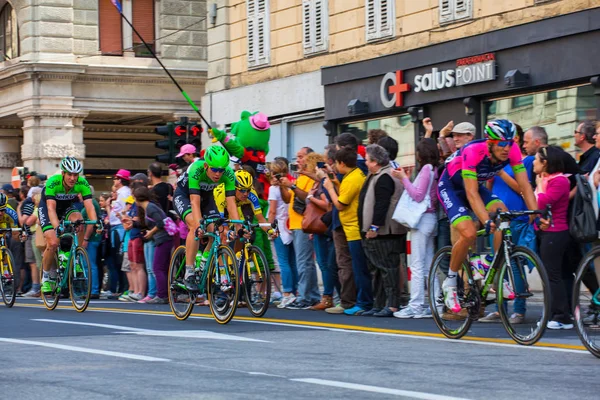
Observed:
{"x":106,"y":293}
{"x":48,"y":287}
{"x":451,"y":297}
{"x":158,"y":300}
{"x":356,"y":310}
{"x":459,"y":316}
{"x":591,"y":319}
{"x":124,"y":297}
{"x":558,"y":325}
{"x":145,"y":300}
{"x":516,"y":319}
{"x":385,"y":312}
{"x":335,"y":310}
{"x":507,"y":291}
{"x":425,"y":313}
{"x":405,"y":313}
{"x":135,"y":297}
{"x":370,"y":313}
{"x":491,"y":317}
{"x":286,"y":301}
{"x":299,"y":305}
{"x":32,"y":293}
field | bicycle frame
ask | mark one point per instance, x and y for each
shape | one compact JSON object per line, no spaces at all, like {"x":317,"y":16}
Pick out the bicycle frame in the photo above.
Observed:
{"x":248,"y":226}
{"x":63,"y":284}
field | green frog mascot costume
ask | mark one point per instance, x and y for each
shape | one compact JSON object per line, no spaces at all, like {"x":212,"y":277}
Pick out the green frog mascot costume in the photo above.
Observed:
{"x":249,"y":141}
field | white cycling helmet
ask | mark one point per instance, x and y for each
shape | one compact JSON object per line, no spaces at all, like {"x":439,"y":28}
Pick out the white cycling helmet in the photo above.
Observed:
{"x":71,"y":165}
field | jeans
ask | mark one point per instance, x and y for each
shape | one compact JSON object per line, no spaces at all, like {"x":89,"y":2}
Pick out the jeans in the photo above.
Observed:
{"x":308,"y":289}
{"x":117,"y":232}
{"x":160,"y":265}
{"x":362,"y":276}
{"x":324,"y":248}
{"x":422,"y":246}
{"x":92,"y":250}
{"x":287,"y":264}
{"x":149,"y":259}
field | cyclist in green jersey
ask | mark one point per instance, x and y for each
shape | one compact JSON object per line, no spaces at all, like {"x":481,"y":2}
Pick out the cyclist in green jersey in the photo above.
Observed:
{"x":59,"y":194}
{"x":194,"y":200}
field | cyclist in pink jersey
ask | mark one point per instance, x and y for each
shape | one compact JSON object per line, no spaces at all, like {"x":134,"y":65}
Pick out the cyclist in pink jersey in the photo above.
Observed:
{"x":460,"y":190}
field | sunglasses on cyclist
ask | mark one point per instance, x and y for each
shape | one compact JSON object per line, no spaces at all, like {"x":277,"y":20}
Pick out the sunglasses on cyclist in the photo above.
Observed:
{"x":217,"y":170}
{"x":504,"y":143}
{"x":242,"y":190}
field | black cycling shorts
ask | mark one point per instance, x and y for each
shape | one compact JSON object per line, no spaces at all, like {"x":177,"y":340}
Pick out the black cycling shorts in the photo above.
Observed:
{"x":63,"y":210}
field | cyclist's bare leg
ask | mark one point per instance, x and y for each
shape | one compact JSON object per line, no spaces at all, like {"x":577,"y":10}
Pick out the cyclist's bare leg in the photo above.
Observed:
{"x":467,"y":235}
{"x":191,"y":244}
{"x":51,"y":246}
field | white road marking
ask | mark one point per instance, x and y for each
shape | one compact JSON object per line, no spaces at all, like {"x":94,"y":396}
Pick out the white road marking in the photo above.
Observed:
{"x":85,"y":350}
{"x":187,"y":334}
{"x":377,"y":389}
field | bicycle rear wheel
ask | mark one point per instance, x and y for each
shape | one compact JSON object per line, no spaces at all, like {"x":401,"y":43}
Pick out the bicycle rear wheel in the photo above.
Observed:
{"x":257,"y":282}
{"x":586,"y":301}
{"x":80,"y":279}
{"x":7,"y":279}
{"x":452,"y":325}
{"x":223,"y":284}
{"x":531,"y":296}
{"x":180,"y":299}
{"x":51,"y":299}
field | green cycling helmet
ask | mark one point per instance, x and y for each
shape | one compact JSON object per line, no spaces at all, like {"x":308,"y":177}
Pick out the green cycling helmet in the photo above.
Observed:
{"x":216,"y":157}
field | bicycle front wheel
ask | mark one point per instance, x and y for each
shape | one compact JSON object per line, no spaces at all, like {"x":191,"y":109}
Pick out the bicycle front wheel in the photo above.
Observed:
{"x":452,"y":325}
{"x":180,"y":299}
{"x":7,"y":279}
{"x":80,"y":279}
{"x":51,"y":298}
{"x":586,"y":301}
{"x":257,"y":282}
{"x":529,"y":298}
{"x":223,"y":284}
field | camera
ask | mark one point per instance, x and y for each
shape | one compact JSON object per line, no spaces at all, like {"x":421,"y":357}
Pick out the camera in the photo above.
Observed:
{"x":293,"y":167}
{"x":320,"y":164}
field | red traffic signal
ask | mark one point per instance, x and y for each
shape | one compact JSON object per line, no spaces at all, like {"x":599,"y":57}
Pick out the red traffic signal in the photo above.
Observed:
{"x":195,"y":130}
{"x":180,"y":130}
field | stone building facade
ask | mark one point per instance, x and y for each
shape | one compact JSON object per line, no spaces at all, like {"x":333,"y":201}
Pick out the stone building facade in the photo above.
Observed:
{"x":75,"y":80}
{"x":280,"y":57}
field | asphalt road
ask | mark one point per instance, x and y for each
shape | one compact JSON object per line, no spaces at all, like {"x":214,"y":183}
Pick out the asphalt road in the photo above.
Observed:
{"x":129,"y":351}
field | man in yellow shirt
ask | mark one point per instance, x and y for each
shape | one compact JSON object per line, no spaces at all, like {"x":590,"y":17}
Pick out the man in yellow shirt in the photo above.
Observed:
{"x":308,"y":290}
{"x":347,"y":203}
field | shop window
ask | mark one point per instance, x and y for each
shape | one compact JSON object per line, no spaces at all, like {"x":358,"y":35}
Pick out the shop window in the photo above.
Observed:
{"x":398,"y":127}
{"x":380,"y":19}
{"x":455,"y":10}
{"x":560,"y":117}
{"x":9,"y":36}
{"x":522,"y":101}
{"x":258,"y":33}
{"x":143,"y":21}
{"x":110,"y":27}
{"x":315,"y":16}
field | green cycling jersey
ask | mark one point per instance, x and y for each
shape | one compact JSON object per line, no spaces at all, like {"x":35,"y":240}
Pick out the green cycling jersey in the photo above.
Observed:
{"x":55,"y":189}
{"x":200,"y":182}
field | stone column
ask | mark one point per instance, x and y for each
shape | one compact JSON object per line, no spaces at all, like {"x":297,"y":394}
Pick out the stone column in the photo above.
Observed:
{"x":48,"y":136}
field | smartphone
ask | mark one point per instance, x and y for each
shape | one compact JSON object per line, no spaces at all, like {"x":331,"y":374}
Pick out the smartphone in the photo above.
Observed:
{"x":278,"y":176}
{"x":320,"y":164}
{"x":293,"y":167}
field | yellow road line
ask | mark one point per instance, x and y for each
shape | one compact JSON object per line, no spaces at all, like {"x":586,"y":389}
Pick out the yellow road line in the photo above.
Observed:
{"x":325,"y":325}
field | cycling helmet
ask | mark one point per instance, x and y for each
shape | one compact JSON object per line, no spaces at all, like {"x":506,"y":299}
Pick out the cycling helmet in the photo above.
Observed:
{"x":243,"y":179}
{"x":71,"y":165}
{"x":3,"y":201}
{"x":500,"y":129}
{"x":216,"y":157}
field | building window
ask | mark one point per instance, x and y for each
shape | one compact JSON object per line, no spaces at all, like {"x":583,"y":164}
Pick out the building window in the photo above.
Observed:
{"x":258,"y":33}
{"x":380,"y":19}
{"x":552,"y":95}
{"x":143,"y":21}
{"x":315,"y":30}
{"x":455,"y":10}
{"x":9,"y":36}
{"x":111,"y":31}
{"x":559,"y":118}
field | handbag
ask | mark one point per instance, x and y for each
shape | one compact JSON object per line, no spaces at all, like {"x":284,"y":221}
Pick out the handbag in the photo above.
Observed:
{"x":311,"y":223}
{"x":299,"y":205}
{"x":408,"y":212}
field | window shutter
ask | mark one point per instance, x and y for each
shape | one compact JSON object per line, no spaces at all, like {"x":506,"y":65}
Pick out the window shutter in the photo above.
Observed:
{"x":463,"y":9}
{"x":307,"y":26}
{"x":143,"y":20}
{"x":371,"y":20}
{"x":321,"y":25}
{"x":258,"y":32}
{"x":446,"y":11}
{"x":111,"y":33}
{"x":387,"y":16}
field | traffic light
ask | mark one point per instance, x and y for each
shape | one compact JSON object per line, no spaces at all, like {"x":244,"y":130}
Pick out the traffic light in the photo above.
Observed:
{"x":194,"y":131}
{"x":168,"y":131}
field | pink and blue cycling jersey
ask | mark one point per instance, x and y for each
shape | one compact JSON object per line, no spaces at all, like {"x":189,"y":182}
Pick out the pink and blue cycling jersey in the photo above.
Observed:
{"x":473,"y":162}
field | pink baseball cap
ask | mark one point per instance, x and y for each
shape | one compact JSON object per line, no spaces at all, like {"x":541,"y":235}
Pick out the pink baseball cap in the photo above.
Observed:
{"x":123,"y":174}
{"x":260,"y":121}
{"x":187,"y":149}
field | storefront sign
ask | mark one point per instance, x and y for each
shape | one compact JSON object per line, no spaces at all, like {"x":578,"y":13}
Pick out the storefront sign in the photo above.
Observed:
{"x":468,"y":70}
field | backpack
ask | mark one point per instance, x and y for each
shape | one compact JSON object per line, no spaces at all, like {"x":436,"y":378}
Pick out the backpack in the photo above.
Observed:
{"x":582,"y":224}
